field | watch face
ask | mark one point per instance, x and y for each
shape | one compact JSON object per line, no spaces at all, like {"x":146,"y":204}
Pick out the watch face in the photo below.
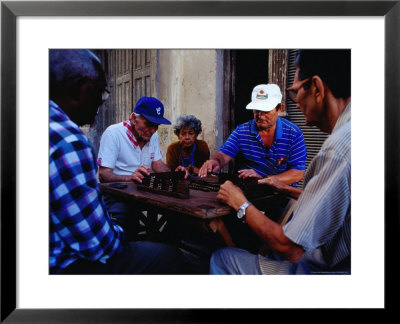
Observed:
{"x":240,"y":213}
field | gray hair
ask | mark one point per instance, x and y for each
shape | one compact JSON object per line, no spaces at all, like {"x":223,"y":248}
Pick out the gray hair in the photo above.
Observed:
{"x":136,"y":115}
{"x":189,"y":121}
{"x":73,"y":66}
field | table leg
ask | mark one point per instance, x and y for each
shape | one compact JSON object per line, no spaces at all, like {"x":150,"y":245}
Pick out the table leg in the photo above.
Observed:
{"x":152,"y":223}
{"x":217,"y":225}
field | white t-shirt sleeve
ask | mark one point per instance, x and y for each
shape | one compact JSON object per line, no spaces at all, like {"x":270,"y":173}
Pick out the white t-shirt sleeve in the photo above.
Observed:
{"x":109,"y":149}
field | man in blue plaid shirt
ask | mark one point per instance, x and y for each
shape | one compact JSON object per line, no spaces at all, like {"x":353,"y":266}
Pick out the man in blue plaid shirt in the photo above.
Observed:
{"x":83,"y":239}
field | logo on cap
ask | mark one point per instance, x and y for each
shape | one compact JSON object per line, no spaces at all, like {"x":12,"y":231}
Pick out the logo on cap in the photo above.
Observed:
{"x":158,"y":110}
{"x":261,"y":95}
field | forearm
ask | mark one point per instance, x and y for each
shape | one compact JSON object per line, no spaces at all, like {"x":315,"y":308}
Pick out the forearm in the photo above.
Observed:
{"x":215,"y":164}
{"x":289,"y":191}
{"x":281,"y":187}
{"x":159,"y":166}
{"x":107,"y":175}
{"x":289,"y":176}
{"x":222,"y":159}
{"x":269,"y":231}
{"x":272,"y":233}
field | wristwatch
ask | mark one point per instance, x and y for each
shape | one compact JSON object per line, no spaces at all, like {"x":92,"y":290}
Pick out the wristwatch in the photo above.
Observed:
{"x":241,"y":213}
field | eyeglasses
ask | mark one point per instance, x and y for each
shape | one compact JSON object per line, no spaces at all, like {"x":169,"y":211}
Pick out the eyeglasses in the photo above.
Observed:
{"x":105,"y":95}
{"x":292,"y":93}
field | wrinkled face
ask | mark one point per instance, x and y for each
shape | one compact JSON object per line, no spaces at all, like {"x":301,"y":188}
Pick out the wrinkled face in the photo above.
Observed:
{"x":187,"y":136}
{"x":143,"y":128}
{"x":304,"y":101}
{"x":265,"y":119}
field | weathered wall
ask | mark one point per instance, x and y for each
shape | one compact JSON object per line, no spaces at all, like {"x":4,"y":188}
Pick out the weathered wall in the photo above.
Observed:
{"x":188,"y":83}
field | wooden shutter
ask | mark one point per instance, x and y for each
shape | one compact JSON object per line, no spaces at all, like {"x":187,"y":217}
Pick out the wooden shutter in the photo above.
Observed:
{"x":131,"y":75}
{"x":142,"y":76}
{"x":313,"y":137}
{"x":123,"y":84}
{"x":108,"y":59}
{"x":277,"y":70}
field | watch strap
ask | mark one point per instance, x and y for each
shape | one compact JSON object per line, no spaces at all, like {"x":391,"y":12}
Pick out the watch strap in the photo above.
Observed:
{"x":241,"y":214}
{"x":245,"y":205}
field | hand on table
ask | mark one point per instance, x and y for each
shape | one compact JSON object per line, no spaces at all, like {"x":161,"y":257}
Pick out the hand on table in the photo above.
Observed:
{"x":248,"y":173}
{"x":208,"y":167}
{"x":140,"y":173}
{"x":231,"y":195}
{"x":182,"y":168}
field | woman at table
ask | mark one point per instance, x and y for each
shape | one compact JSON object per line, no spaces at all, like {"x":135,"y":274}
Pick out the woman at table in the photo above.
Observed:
{"x":189,"y":151}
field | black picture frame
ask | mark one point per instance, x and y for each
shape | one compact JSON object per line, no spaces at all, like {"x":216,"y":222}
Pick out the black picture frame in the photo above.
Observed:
{"x":10,"y":10}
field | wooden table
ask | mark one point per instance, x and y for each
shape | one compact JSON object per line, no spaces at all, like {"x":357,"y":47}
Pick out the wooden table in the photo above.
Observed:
{"x":200,"y":205}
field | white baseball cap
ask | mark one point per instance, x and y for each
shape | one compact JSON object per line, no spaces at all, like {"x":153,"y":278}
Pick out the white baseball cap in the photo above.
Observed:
{"x":265,"y":97}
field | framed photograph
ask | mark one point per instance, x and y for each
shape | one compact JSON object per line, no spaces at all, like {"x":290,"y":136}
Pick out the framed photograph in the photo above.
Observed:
{"x":29,"y":28}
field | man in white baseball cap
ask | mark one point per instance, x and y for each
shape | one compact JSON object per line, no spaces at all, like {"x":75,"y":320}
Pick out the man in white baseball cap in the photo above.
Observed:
{"x":266,"y":146}
{"x":269,"y":145}
{"x":265,"y":97}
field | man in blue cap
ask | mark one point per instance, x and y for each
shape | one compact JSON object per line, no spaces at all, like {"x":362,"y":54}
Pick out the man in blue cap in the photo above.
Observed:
{"x":129,"y":151}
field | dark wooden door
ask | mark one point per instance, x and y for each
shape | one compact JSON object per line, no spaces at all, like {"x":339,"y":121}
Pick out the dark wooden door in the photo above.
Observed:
{"x":142,"y":74}
{"x":131,"y":75}
{"x":123,"y":84}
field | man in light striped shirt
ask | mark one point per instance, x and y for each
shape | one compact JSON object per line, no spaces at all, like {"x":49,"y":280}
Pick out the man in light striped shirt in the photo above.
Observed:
{"x":316,"y":239}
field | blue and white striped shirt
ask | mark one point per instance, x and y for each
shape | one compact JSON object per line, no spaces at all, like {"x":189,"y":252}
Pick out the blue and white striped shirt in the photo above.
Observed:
{"x":288,"y":150}
{"x":80,"y":226}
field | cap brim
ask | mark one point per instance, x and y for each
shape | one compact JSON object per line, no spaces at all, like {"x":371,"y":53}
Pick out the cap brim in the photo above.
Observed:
{"x":157,"y":120}
{"x":263,"y":106}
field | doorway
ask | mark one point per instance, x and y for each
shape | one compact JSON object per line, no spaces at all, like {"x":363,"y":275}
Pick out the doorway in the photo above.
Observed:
{"x":251,"y":69}
{"x":243,"y":69}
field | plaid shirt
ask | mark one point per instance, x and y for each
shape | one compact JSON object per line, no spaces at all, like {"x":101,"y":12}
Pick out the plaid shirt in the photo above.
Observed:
{"x":80,"y":227}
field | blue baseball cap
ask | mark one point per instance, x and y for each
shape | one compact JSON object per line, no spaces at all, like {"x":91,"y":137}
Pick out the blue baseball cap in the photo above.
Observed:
{"x":152,"y":109}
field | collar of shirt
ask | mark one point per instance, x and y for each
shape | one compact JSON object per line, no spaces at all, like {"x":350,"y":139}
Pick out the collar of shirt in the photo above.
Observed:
{"x":131,"y":136}
{"x":129,"y":133}
{"x":343,"y":118}
{"x":278,"y":130}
